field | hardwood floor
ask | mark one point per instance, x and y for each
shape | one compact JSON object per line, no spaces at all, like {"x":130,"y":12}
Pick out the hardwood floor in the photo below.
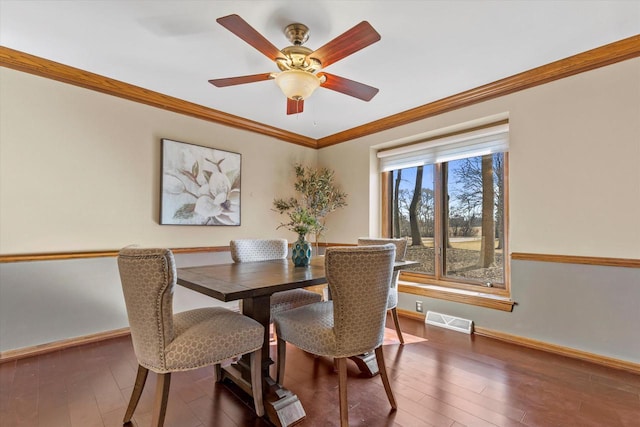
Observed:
{"x":440,"y":378}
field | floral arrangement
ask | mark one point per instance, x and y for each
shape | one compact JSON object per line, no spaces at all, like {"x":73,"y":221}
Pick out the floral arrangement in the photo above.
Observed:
{"x":300,"y":219}
{"x":318,"y":196}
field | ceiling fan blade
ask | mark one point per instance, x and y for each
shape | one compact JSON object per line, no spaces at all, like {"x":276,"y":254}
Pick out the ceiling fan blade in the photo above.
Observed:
{"x":246,"y":32}
{"x":349,"y":87}
{"x":231,"y":81}
{"x":358,"y":37}
{"x":295,"y":107}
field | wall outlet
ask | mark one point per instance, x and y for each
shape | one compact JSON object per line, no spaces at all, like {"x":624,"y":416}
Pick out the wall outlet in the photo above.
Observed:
{"x":419,"y":306}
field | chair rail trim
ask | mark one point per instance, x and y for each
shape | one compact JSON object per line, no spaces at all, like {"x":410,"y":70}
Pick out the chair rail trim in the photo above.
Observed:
{"x":576,"y":259}
{"x":521,"y":256}
{"x":57,"y":256}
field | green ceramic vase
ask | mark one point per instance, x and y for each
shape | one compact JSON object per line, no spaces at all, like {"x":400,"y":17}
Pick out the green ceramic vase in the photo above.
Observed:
{"x":301,"y":252}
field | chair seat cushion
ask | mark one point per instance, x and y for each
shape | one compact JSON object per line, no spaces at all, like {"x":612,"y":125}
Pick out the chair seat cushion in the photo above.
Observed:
{"x":309,"y":328}
{"x":287,"y":300}
{"x":207,"y":336}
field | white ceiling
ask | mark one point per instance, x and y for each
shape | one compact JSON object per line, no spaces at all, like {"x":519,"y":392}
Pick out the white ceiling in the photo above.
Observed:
{"x":429,"y":49}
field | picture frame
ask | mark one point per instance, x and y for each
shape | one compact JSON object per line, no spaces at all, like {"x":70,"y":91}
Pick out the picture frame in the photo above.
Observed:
{"x":199,"y":185}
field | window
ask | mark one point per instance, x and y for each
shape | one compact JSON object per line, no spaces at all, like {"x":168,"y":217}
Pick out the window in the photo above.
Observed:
{"x":448,"y":197}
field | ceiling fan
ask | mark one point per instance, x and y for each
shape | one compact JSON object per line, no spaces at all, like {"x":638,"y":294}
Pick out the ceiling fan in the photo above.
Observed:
{"x":299,"y":65}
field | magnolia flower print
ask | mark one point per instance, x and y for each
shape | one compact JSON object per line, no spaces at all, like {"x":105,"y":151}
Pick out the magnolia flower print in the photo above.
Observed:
{"x":205,"y":186}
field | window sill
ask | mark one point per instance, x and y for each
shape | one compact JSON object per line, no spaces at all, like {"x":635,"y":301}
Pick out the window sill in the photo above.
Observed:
{"x":480,"y":299}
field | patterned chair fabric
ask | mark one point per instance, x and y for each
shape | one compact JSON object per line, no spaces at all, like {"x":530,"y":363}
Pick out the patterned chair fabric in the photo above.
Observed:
{"x":351,"y":323}
{"x":392,"y":301}
{"x":164,"y":342}
{"x":401,"y":251}
{"x":251,"y":250}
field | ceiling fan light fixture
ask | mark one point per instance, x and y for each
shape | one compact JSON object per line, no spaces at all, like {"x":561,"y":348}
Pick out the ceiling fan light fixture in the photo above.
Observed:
{"x":299,"y":64}
{"x":297,"y":84}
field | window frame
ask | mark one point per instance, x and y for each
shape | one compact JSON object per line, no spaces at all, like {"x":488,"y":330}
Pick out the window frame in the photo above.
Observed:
{"x":416,"y":283}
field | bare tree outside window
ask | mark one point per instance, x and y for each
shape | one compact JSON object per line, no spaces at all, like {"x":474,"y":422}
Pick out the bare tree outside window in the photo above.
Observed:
{"x":414,"y":192}
{"x":416,"y":239}
{"x":471,"y":218}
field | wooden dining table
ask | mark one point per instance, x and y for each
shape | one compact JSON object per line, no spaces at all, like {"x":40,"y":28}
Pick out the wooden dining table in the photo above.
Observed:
{"x":254,"y":283}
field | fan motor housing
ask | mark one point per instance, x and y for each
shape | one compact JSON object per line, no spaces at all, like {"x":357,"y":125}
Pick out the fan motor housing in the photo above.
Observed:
{"x":297,"y":59}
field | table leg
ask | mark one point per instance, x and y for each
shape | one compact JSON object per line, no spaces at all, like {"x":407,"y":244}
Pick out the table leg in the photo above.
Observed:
{"x":259,"y":309}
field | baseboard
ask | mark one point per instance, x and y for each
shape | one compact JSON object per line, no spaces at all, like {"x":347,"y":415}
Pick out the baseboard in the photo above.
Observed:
{"x":9,"y":355}
{"x":20,"y":353}
{"x":541,"y":345}
{"x":411,"y":314}
{"x":561,"y":350}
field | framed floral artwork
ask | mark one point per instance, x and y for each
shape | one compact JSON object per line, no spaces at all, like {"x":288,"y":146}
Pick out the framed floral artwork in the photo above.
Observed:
{"x":200,"y":185}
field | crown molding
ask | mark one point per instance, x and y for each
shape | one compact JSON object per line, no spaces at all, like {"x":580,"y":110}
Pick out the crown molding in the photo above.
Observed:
{"x":42,"y":67}
{"x":595,"y":58}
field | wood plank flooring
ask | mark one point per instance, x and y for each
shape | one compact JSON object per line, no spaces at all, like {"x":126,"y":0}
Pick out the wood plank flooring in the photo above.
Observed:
{"x":440,"y":378}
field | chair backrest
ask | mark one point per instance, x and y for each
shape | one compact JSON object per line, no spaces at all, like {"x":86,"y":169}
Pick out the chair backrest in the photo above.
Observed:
{"x":359,"y":280}
{"x":250,"y":250}
{"x":401,"y":251}
{"x":401,"y":244}
{"x":148,"y":278}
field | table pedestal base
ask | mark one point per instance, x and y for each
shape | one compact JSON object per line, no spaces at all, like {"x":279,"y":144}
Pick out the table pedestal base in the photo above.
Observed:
{"x":282,"y":407}
{"x":366,"y":363}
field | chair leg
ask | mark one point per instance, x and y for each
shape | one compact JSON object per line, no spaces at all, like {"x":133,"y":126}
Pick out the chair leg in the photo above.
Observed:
{"x":396,"y":322}
{"x":280,"y":362}
{"x":141,"y":378}
{"x":385,"y":378}
{"x":256,"y":381}
{"x":342,"y":391}
{"x":162,"y":395}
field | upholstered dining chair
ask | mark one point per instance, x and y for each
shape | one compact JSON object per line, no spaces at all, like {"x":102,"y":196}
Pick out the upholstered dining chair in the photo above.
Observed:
{"x":392,"y":302}
{"x":251,"y":250}
{"x":351,"y":323}
{"x":164,"y":342}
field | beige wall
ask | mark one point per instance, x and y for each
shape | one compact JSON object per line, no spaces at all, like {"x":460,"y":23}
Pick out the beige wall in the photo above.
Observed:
{"x":574,"y":190}
{"x":80,"y":171}
{"x":574,"y":165}
{"x":75,"y":165}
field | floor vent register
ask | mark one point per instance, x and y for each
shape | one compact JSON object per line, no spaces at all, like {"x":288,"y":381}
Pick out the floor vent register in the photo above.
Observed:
{"x":450,"y":322}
